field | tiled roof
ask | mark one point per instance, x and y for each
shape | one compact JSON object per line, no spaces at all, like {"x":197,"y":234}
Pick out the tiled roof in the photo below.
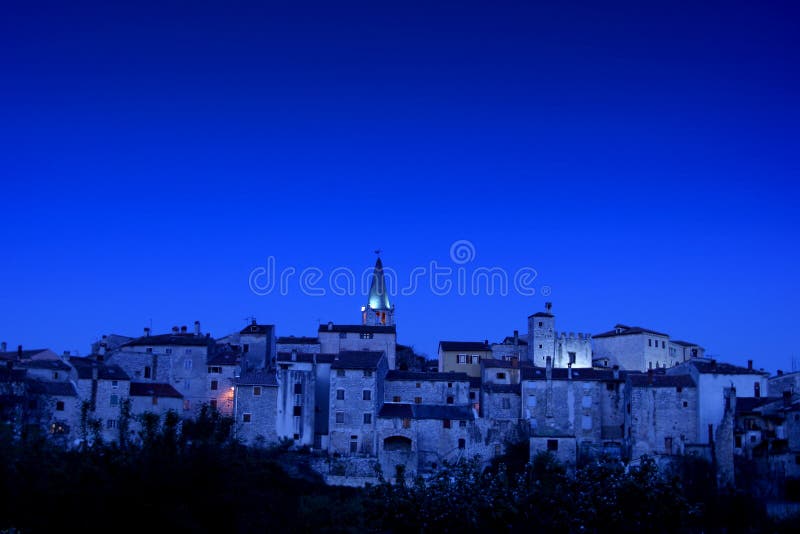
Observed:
{"x":56,"y":389}
{"x":660,"y":381}
{"x":357,"y":328}
{"x":425,"y":411}
{"x":464,"y":345}
{"x":24,"y":355}
{"x":355,"y":359}
{"x":292,"y":340}
{"x":307,"y":357}
{"x":258,"y":329}
{"x":84,"y":368}
{"x":748,"y":404}
{"x":509,"y":340}
{"x":707,"y":366}
{"x":257,"y":378}
{"x":426,"y":377}
{"x":180,"y":340}
{"x":628,"y":331}
{"x":55,"y":365}
{"x":559,"y":373}
{"x":148,"y":389}
{"x":224,"y":358}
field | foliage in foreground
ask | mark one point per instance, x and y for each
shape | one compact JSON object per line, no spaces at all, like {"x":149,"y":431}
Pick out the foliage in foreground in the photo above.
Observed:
{"x":194,"y":477}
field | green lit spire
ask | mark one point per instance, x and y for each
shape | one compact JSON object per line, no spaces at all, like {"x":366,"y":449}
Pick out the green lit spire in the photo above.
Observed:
{"x":378,"y":298}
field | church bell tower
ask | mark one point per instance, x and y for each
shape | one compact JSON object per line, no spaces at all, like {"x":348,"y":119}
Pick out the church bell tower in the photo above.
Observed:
{"x":378,"y":311}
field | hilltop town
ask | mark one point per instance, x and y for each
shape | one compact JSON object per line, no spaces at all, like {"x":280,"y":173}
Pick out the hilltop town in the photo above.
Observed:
{"x":356,"y":399}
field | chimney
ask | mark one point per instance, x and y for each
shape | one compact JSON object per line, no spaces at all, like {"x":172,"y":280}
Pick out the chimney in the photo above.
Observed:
{"x":787,"y":398}
{"x":516,"y":338}
{"x":650,"y":376}
{"x":66,"y":353}
{"x":514,"y":362}
{"x":146,"y":331}
{"x":253,"y":321}
{"x":102,"y":349}
{"x":780,"y":373}
{"x":197,"y":328}
{"x":486,"y":342}
{"x":616,"y":372}
{"x":549,"y":367}
{"x":749,"y":364}
{"x":3,"y":347}
{"x":184,"y":329}
{"x":175,"y":330}
{"x":95,"y":372}
{"x":330,"y":326}
{"x":569,"y":371}
{"x":294,"y":355}
{"x":19,"y":352}
{"x":548,"y":306}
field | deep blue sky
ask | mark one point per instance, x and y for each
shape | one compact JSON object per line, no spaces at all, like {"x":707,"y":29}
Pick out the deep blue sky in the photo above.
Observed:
{"x":641,"y":156}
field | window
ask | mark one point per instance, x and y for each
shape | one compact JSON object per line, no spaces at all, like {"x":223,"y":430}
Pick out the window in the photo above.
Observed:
{"x":187,"y":363}
{"x":187,"y":351}
{"x":737,"y":442}
{"x":297,"y":411}
{"x":353,"y":445}
{"x":501,"y":376}
{"x":339,"y":418}
{"x":114,"y":384}
{"x":342,"y":335}
{"x":462,"y":443}
{"x":367,"y":418}
{"x":531,"y":401}
{"x":147,"y":371}
{"x":586,"y":402}
{"x":213,"y":404}
{"x":246,"y":347}
{"x":552,"y":445}
{"x":471,"y":395}
{"x":295,"y":436}
{"x":462,"y":424}
{"x":609,"y":386}
{"x":155,"y":400}
{"x":367,"y":335}
{"x":111,"y":423}
{"x":367,"y":395}
{"x":214,"y":385}
{"x":168,"y":351}
{"x":663,"y":344}
{"x":339,"y":394}
{"x":187,"y":384}
{"x":419,"y":385}
{"x":450,"y":400}
{"x":586,"y":422}
{"x":668,"y":445}
{"x":679,"y":389}
{"x":446,"y":423}
{"x":541,"y":324}
{"x":475,"y":359}
{"x":187,"y":405}
{"x":256,"y":391}
{"x":298,"y":388}
{"x":406,"y":423}
{"x":114,"y":400}
{"x":417,"y":400}
{"x":462,"y":358}
{"x":506,"y":403}
{"x":757,"y":389}
{"x":59,"y":406}
{"x":340,"y":373}
{"x":215,"y":370}
{"x":449,"y":385}
{"x":55,"y":375}
{"x":246,"y":417}
{"x":367,"y":373}
{"x":540,"y":345}
{"x":573,"y":357}
{"x":396,"y":398}
{"x":149,"y":350}
{"x":685,"y":404}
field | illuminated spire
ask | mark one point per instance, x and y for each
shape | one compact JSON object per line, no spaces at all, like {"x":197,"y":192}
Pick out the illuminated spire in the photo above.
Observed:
{"x":378,"y":297}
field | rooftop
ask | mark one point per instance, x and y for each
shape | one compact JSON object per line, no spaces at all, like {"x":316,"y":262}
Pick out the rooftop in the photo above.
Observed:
{"x":464,"y":345}
{"x":357,"y":360}
{"x":56,"y":389}
{"x":660,"y":381}
{"x":426,"y":411}
{"x":180,"y":340}
{"x":709,"y":366}
{"x":153,"y":389}
{"x":292,"y":340}
{"x":426,"y":377}
{"x":623,"y":330}
{"x":357,"y":328}
{"x":84,"y":368}
{"x":258,"y":329}
{"x":257,"y":378}
{"x":307,"y":357}
{"x":559,"y":373}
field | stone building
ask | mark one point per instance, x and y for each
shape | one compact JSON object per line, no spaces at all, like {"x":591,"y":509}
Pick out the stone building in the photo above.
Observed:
{"x":574,"y":413}
{"x":512,"y":347}
{"x":222,"y":367}
{"x":304,"y":397}
{"x":410,"y":387}
{"x":336,"y":338}
{"x":155,"y":397}
{"x":661,"y":414}
{"x":105,"y":387}
{"x":463,"y":356}
{"x":564,"y":349}
{"x":356,"y":394}
{"x":179,"y":359}
{"x":306,"y":345}
{"x":256,"y":406}
{"x":712,"y":379}
{"x":634,"y":348}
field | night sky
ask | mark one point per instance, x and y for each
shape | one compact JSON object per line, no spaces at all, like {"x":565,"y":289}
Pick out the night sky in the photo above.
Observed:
{"x":642,"y":157}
